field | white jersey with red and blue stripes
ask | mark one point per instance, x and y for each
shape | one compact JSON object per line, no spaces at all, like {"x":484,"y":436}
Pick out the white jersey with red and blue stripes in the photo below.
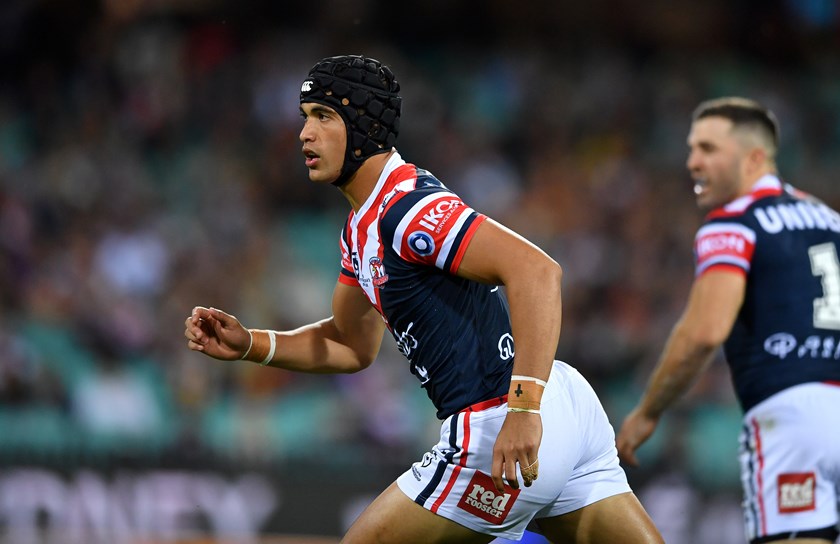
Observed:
{"x":786,"y":244}
{"x":403,"y":248}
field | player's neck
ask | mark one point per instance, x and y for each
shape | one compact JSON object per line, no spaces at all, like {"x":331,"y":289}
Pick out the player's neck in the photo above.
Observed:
{"x":361,"y":184}
{"x":755,"y":177}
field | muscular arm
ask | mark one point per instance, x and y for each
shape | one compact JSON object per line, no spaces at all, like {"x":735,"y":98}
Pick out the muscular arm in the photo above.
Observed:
{"x":532,"y":280}
{"x":348,"y":341}
{"x":713,"y":306}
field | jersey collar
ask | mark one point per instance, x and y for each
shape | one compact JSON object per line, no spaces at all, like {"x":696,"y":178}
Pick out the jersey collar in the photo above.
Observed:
{"x":767,"y":185}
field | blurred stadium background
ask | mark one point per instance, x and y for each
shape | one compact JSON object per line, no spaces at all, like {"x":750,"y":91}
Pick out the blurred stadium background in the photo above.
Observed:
{"x":149,"y":162}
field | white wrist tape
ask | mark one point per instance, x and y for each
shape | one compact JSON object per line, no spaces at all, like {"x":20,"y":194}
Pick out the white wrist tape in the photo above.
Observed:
{"x":272,"y":347}
{"x":517,"y":377}
{"x":250,"y":345}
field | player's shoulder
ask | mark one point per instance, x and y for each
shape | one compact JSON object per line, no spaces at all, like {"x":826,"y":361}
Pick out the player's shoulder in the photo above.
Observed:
{"x":425,"y":188}
{"x":768,"y":189}
{"x":727,"y":223}
{"x":739,"y":221}
{"x":425,"y":182}
{"x":794,"y":194}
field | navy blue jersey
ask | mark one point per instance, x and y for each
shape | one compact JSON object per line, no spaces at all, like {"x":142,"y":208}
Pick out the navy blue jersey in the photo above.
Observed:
{"x":403,"y":249}
{"x":786,"y":244}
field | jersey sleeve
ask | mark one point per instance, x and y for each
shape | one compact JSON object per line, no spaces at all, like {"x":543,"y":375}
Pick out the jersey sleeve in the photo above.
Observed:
{"x":346,"y":273}
{"x":431,"y":228}
{"x":724,"y":246}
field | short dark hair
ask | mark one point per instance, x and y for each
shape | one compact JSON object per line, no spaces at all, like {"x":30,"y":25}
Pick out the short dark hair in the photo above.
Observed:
{"x":743,"y":112}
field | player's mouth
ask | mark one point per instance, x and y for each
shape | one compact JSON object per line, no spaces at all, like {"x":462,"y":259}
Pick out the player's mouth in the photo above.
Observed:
{"x":311,"y":158}
{"x":700,"y":186}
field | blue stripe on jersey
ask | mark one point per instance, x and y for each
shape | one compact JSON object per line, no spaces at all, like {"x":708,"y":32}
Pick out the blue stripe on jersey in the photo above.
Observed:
{"x":426,"y":179}
{"x":401,"y":207}
{"x":441,"y":467}
{"x":424,"y":495}
{"x":752,"y":492}
{"x":453,"y":438}
{"x":345,"y":237}
{"x":457,"y":242}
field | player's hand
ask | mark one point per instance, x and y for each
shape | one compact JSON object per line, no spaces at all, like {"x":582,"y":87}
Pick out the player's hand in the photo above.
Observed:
{"x":635,"y":430}
{"x":217,"y":334}
{"x":518,"y":443}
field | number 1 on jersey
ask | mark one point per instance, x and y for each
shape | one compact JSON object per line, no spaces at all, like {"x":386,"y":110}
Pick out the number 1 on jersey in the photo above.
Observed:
{"x":824,"y":263}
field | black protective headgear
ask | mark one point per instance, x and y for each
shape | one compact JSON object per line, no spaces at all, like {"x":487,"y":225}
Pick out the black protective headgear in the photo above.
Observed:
{"x":364,"y":92}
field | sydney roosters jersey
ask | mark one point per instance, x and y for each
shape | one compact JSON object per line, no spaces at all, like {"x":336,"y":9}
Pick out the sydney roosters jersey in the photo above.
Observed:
{"x":403,"y":248}
{"x":785,"y":243}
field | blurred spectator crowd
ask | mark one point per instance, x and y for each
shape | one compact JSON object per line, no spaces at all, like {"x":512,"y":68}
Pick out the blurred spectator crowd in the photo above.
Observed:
{"x":150,"y":162}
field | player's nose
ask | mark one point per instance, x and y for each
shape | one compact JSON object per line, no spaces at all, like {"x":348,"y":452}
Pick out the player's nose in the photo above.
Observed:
{"x":306,"y":133}
{"x":692,"y":162}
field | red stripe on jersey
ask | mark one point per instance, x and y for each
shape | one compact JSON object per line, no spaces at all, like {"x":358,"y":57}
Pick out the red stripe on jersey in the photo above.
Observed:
{"x":462,"y":248}
{"x":725,"y":212}
{"x":760,"y":482}
{"x":761,"y":193}
{"x":465,"y":444}
{"x":359,"y":227}
{"x":449,"y":485}
{"x":485,"y":404}
{"x":386,"y":199}
{"x":346,"y":280}
{"x":361,"y":238}
{"x":400,"y":174}
{"x":406,"y":172}
{"x":466,"y":441}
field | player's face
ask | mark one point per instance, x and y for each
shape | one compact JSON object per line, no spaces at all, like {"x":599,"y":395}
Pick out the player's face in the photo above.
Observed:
{"x":715,"y":160}
{"x":324,"y":141}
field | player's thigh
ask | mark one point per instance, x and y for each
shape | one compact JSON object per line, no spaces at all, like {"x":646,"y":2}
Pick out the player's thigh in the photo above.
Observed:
{"x":619,"y":518}
{"x":393,"y":518}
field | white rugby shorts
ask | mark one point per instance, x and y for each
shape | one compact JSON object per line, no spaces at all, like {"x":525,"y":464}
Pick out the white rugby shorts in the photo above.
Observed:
{"x":578,"y":462}
{"x":790,"y":461}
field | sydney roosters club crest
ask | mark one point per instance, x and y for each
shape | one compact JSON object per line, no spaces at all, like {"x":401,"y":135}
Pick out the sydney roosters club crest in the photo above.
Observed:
{"x":377,"y":272}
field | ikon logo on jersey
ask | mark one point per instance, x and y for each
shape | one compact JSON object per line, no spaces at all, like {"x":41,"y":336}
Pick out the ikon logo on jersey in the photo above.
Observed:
{"x":481,"y":499}
{"x":797,"y":492}
{"x":438,"y":214}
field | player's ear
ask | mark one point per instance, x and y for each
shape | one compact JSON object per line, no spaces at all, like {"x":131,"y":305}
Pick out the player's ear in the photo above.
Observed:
{"x":756,"y":159}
